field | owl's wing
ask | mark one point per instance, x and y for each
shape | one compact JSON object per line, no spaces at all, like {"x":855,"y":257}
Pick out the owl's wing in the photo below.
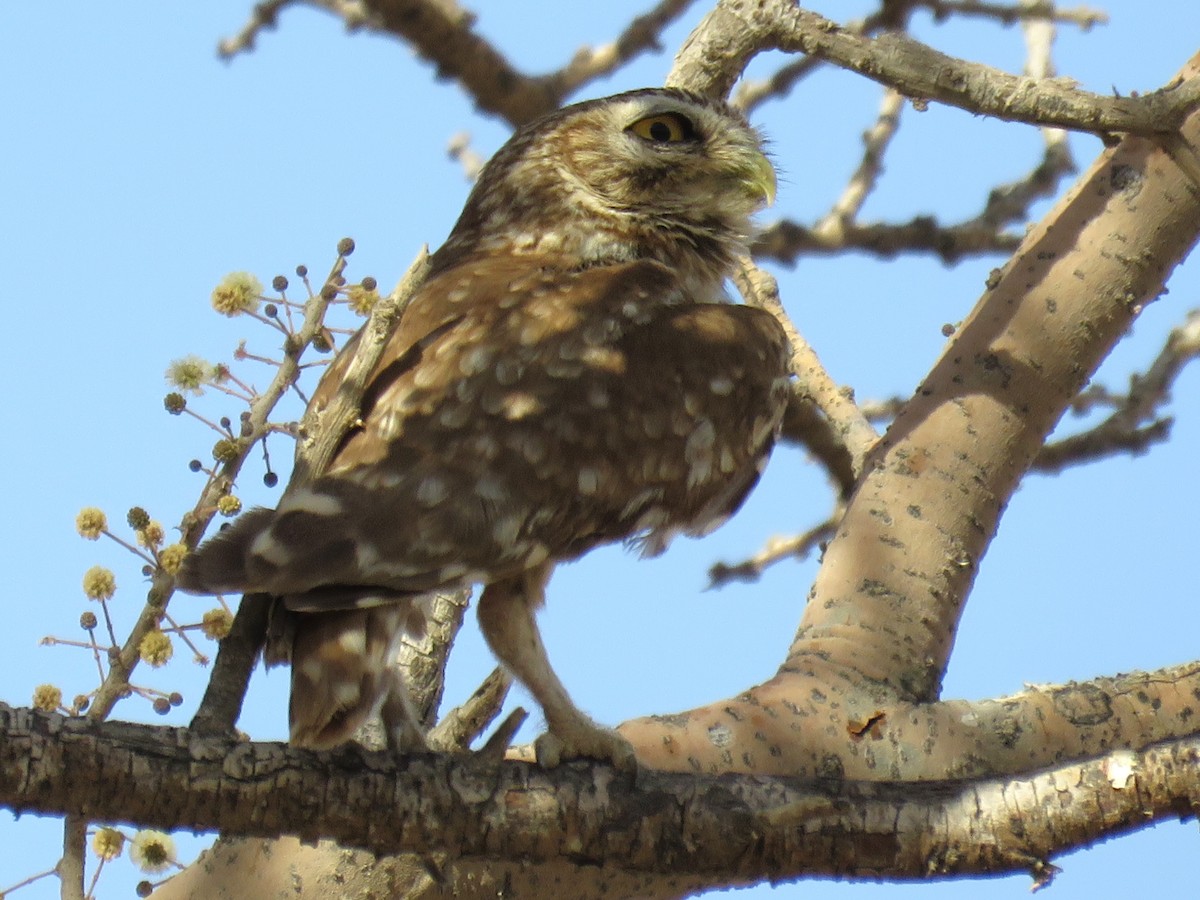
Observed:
{"x":556,"y":411}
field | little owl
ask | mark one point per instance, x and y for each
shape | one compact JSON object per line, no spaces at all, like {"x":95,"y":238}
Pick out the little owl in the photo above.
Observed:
{"x":570,"y":374}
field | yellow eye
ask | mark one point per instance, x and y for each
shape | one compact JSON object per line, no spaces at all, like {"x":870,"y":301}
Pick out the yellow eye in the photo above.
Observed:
{"x":664,"y":128}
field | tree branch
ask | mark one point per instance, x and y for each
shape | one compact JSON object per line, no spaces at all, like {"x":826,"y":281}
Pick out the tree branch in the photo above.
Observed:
{"x":787,"y":241}
{"x":443,"y":33}
{"x":737,"y":827}
{"x":737,"y":30}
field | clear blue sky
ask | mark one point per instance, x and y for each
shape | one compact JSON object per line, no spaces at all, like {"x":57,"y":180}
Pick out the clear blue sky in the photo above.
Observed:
{"x":137,"y":169}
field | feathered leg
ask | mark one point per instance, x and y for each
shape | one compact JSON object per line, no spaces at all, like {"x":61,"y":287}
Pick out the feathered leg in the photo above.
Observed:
{"x":506,"y":615}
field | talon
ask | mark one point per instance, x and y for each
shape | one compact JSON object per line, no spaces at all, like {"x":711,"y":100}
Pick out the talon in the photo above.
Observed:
{"x":592,"y":742}
{"x":548,"y":750}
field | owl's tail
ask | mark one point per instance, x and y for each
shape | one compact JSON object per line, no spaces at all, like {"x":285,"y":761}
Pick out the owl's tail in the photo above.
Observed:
{"x":219,"y":565}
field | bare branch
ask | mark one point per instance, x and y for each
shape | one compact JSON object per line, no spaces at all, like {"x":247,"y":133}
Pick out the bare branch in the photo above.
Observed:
{"x":862,"y":182}
{"x":1100,"y":443}
{"x":1025,"y":11}
{"x":264,"y":17}
{"x":787,"y":241}
{"x":70,"y":867}
{"x":813,"y":381}
{"x":443,"y":33}
{"x":741,"y":827}
{"x":237,"y":655}
{"x":776,"y":549}
{"x":464,"y":723}
{"x":1006,"y":204}
{"x":459,"y":149}
{"x":1125,"y":430}
{"x":1135,"y":423}
{"x":642,"y":35}
{"x":737,"y":30}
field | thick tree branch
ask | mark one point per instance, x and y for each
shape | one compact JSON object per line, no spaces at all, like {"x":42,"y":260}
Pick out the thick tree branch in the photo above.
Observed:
{"x":1080,"y":279}
{"x":878,"y":623}
{"x":726,"y":827}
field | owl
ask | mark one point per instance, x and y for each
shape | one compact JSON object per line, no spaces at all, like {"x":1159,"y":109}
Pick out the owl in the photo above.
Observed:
{"x":571,"y":373}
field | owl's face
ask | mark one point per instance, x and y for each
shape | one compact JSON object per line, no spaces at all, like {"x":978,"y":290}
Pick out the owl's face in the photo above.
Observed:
{"x":670,"y":158}
{"x":657,"y":174}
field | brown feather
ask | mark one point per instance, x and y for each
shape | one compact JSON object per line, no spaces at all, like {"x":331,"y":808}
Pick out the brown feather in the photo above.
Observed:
{"x":570,"y":374}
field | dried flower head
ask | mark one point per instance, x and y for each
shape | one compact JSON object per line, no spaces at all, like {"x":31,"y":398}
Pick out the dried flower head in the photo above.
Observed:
{"x":360,"y":299}
{"x":47,"y":697}
{"x":229,"y":505}
{"x":152,"y":535}
{"x":216,"y":623}
{"x":91,"y":522}
{"x":152,"y":851}
{"x":226,"y":450}
{"x":189,"y":373}
{"x":107,"y":843}
{"x":171,"y":558}
{"x":156,"y":649}
{"x":238,"y":292}
{"x":99,"y":583}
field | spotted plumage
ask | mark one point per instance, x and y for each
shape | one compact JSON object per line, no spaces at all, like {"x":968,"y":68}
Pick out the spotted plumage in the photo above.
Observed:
{"x":570,"y":374}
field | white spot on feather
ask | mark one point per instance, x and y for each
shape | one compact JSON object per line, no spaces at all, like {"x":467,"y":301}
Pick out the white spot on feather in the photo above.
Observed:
{"x":699,"y":453}
{"x":313,"y":668}
{"x":269,"y":550}
{"x":508,"y":372}
{"x":475,"y":360}
{"x":519,"y":404}
{"x":454,"y":415}
{"x":490,"y":488}
{"x":432,"y":491}
{"x":345,"y":694}
{"x":353,"y":641}
{"x":505,"y":531}
{"x":721,"y":386}
{"x":308,"y":501}
{"x":589,"y":481}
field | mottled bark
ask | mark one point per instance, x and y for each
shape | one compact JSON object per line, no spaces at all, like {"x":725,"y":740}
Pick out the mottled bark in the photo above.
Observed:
{"x":717,"y":829}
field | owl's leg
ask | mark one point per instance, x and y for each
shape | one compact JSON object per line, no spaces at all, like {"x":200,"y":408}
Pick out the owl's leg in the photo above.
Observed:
{"x":506,"y":615}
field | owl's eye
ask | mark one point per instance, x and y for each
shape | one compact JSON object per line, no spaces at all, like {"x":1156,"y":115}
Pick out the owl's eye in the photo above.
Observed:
{"x":664,"y":128}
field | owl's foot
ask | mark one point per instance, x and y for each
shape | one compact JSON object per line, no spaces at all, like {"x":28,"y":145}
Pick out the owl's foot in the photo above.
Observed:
{"x":588,"y":741}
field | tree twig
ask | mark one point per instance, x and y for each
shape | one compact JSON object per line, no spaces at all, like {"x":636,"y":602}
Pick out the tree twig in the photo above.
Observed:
{"x":813,"y":381}
{"x":776,"y":549}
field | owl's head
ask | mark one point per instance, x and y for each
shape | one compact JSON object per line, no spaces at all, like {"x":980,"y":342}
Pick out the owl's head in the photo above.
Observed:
{"x":652,"y":173}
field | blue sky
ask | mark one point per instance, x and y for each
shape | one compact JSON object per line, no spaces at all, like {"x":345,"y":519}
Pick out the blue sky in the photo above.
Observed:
{"x":139,"y":169}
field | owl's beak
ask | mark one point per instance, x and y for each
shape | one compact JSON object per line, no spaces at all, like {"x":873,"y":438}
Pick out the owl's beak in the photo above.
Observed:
{"x":759,"y":178}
